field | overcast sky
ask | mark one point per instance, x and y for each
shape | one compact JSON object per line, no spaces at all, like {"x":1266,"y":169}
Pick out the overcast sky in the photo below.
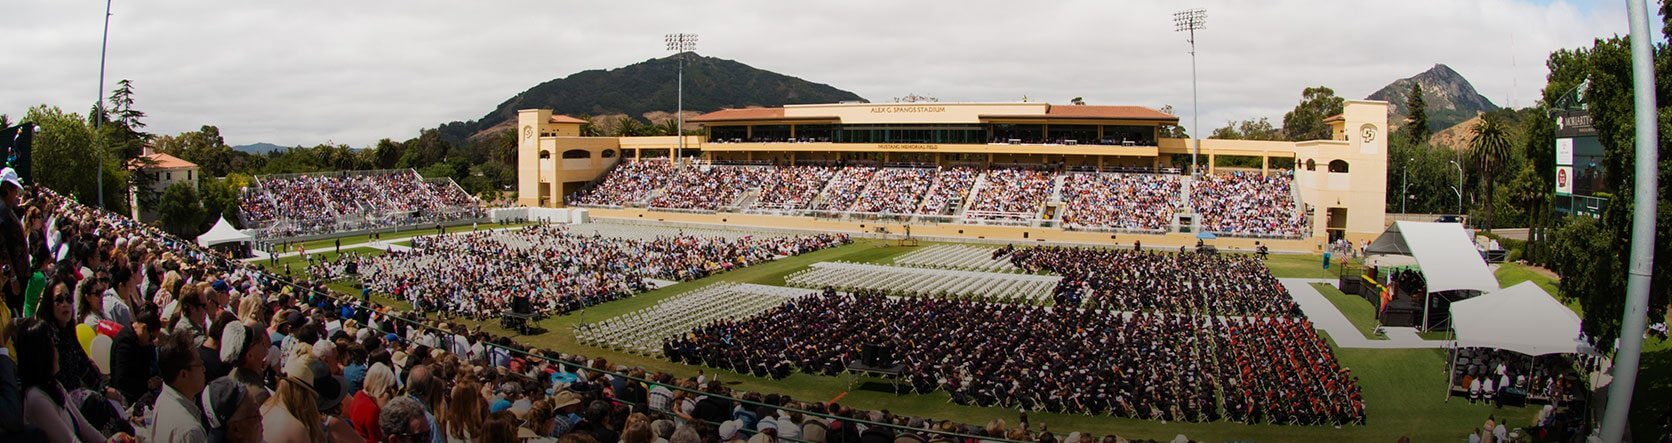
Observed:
{"x":306,"y":71}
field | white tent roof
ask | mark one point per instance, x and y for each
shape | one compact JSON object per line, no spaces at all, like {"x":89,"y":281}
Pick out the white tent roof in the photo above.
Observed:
{"x":1521,"y":318}
{"x":1448,"y":258}
{"x":223,"y":232}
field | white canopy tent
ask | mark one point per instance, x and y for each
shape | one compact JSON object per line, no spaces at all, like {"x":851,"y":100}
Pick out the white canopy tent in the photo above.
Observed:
{"x":223,"y":232}
{"x":1521,"y":318}
{"x":1448,"y":259}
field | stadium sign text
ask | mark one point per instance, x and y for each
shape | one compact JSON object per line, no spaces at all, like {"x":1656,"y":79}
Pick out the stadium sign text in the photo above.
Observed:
{"x":908,"y":147}
{"x":906,"y":109}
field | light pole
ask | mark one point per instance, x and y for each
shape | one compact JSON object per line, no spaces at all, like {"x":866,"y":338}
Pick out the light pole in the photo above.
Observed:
{"x":1634,"y":313}
{"x":1459,"y":187}
{"x":98,"y":120}
{"x":1192,"y":20}
{"x":680,"y":44}
{"x":1404,"y":185}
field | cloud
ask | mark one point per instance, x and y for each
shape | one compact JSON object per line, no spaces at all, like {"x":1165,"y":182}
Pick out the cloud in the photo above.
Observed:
{"x":310,"y":71}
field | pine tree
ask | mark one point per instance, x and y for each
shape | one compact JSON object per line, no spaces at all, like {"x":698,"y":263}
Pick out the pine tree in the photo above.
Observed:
{"x":1417,"y":122}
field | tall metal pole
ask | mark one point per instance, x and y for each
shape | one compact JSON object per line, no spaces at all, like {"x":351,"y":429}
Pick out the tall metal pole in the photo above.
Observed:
{"x":98,"y":120}
{"x":1642,"y":229}
{"x":680,"y":44}
{"x":680,"y":109}
{"x":1459,"y":186}
{"x":1190,"y":20}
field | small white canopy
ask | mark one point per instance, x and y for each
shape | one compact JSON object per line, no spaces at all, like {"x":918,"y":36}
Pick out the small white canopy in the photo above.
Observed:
{"x":1521,"y":318}
{"x":223,"y":232}
{"x":1448,"y":258}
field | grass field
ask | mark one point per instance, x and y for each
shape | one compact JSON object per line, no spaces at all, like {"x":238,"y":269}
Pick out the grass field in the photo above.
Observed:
{"x":1357,"y":310}
{"x":1403,"y":389}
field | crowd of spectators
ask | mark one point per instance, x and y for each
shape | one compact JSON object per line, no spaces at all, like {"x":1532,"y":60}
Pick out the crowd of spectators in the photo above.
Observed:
{"x":1013,"y":193}
{"x":952,"y":186}
{"x":894,"y":190}
{"x":1139,"y":202}
{"x":1233,"y":203}
{"x":709,"y":188}
{"x":216,"y":350}
{"x":477,"y":275}
{"x":627,"y":183}
{"x":1248,"y":203}
{"x":1148,"y":280}
{"x":1157,"y":366}
{"x":324,"y":202}
{"x":793,"y":187}
{"x":1491,"y":375}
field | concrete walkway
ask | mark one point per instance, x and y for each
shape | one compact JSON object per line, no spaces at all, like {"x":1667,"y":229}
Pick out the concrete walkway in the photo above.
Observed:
{"x":1325,"y":316}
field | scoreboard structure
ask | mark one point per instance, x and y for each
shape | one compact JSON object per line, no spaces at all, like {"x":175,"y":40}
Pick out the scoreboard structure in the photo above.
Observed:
{"x":1579,"y":172}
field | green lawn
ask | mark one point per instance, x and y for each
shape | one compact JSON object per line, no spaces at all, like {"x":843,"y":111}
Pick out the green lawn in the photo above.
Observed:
{"x":1303,"y":266}
{"x":1357,"y":310}
{"x":1402,"y":388}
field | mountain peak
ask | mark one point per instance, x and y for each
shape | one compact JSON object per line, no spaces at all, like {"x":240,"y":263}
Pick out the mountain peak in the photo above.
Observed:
{"x":649,"y":88}
{"x":1449,"y":97}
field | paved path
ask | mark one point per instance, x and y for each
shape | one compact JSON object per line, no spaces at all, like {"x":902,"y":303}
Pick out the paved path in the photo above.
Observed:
{"x":1325,"y":316}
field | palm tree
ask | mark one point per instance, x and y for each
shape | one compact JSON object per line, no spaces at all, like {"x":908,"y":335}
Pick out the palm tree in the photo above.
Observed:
{"x":1489,"y":150}
{"x":626,"y":126}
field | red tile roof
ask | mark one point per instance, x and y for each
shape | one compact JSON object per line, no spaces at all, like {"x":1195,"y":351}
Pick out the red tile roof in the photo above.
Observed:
{"x":1336,"y":117}
{"x":560,"y":118}
{"x":739,"y":114}
{"x":164,"y":161}
{"x":1122,"y":112}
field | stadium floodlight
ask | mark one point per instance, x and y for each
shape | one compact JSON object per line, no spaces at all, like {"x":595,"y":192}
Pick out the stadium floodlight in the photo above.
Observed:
{"x":1192,"y":20}
{"x":680,"y":44}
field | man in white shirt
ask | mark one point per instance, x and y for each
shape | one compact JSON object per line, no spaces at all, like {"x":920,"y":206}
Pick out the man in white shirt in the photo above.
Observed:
{"x":178,"y":418}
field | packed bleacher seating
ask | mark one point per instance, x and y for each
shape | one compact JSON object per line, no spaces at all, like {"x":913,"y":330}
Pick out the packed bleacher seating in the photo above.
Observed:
{"x":302,"y":204}
{"x":628,"y":182}
{"x":244,"y":356}
{"x":1012,"y":194}
{"x":894,"y":190}
{"x":477,"y":275}
{"x":845,"y":187}
{"x":1132,"y":280}
{"x":1246,"y":203}
{"x":1137,"y":202}
{"x":952,"y":186}
{"x":793,"y":187}
{"x":1232,"y":203}
{"x":709,"y":188}
{"x":1059,"y":359}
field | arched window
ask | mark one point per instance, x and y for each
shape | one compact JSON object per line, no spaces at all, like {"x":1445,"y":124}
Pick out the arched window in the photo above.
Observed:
{"x":1338,"y":166}
{"x":544,"y":154}
{"x":609,"y":153}
{"x":1311,"y":165}
{"x":577,"y":153}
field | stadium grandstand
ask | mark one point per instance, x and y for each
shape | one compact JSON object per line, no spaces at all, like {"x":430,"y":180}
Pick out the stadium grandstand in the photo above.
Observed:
{"x":291,"y":205}
{"x":1006,"y":171}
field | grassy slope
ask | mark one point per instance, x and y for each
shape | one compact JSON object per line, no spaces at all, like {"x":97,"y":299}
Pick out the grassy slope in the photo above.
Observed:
{"x":1402,"y":388}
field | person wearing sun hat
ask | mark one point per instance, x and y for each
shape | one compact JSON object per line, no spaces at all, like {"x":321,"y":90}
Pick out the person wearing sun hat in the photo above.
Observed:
{"x":14,"y":258}
{"x":292,"y":414}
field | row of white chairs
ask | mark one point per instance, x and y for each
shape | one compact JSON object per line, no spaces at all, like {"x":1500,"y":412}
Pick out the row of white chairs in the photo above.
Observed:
{"x":1007,"y":288}
{"x":968,"y":258}
{"x":642,"y":331}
